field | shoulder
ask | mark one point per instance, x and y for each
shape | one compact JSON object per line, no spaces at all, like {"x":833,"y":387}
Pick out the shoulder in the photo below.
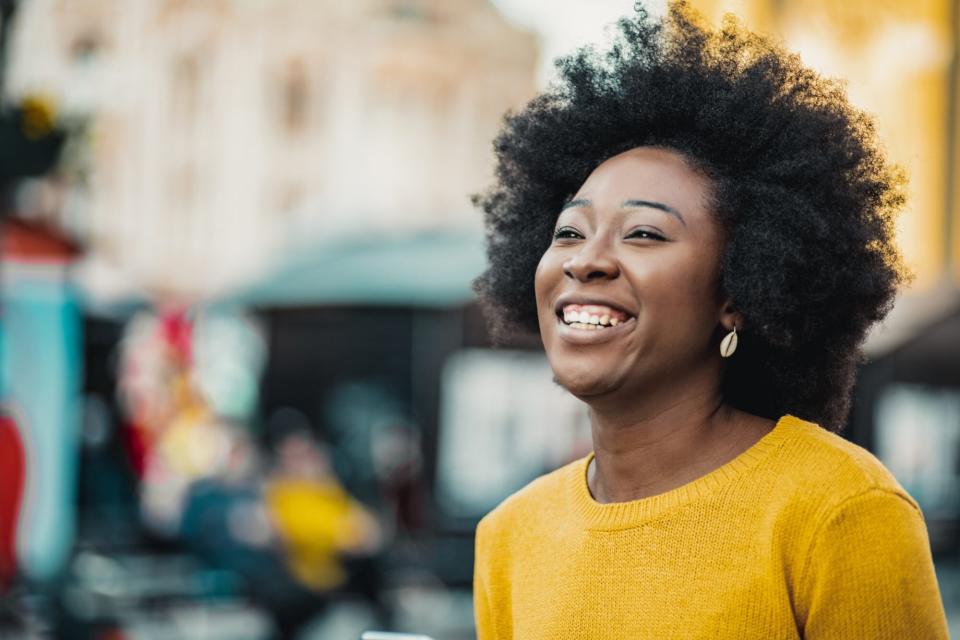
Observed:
{"x":836,"y":497}
{"x":827,"y":467}
{"x":539,"y":501}
{"x":864,"y":559}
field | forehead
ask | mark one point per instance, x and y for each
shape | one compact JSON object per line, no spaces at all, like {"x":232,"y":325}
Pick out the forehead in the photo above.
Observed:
{"x":648,"y":173}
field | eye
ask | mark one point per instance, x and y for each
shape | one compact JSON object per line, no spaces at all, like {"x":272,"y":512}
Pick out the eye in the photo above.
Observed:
{"x":646,"y":234}
{"x":565,"y":232}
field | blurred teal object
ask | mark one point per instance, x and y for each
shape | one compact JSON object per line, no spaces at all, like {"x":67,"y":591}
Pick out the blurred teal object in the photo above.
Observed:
{"x":41,"y":360}
{"x":229,"y":354}
{"x":378,"y":267}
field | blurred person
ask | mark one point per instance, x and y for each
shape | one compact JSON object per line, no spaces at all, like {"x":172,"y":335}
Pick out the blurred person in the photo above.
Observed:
{"x":317,"y":520}
{"x":194,"y":445}
{"x":154,"y":380}
{"x":225,"y":522}
{"x":398,"y":463}
{"x":174,"y":435}
{"x":701,"y":230}
{"x":224,"y":512}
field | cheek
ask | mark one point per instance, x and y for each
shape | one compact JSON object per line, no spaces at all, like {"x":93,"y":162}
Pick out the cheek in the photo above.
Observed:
{"x":549,"y":270}
{"x":681,"y":289}
{"x":547,"y":278}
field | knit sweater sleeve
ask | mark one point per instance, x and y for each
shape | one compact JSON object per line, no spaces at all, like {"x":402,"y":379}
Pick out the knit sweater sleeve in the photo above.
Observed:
{"x":869,"y":573}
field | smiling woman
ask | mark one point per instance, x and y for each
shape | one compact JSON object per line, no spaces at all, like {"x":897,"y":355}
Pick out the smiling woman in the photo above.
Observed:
{"x":700,"y":230}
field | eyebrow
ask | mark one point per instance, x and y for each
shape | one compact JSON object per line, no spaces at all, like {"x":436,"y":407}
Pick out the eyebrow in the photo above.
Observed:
{"x":581,"y":202}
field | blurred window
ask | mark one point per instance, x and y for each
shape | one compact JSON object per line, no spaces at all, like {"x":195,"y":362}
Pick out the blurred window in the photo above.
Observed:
{"x":295,"y":98}
{"x":85,"y":48}
{"x":186,"y":86}
{"x":503,"y":423}
{"x":918,"y":439}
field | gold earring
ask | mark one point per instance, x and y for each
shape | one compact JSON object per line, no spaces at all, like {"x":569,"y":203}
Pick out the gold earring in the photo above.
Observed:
{"x":729,"y":343}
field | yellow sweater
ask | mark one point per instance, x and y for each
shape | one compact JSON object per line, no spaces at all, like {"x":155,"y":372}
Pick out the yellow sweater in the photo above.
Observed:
{"x":804,"y":535}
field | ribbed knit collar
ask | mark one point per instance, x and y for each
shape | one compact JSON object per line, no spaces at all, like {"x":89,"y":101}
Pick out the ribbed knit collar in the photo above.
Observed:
{"x":621,"y":515}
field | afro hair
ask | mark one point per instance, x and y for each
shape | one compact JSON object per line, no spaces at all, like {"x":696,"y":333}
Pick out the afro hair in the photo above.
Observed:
{"x":801,"y":187}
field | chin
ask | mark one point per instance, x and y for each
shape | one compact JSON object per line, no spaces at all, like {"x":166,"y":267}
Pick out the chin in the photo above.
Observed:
{"x":583,"y":384}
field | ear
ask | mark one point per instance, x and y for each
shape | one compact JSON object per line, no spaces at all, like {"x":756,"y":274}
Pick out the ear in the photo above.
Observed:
{"x":729,"y":316}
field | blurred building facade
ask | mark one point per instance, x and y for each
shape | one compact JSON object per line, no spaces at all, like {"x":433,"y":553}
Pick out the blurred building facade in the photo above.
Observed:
{"x":899,"y":63}
{"x":220,"y":130}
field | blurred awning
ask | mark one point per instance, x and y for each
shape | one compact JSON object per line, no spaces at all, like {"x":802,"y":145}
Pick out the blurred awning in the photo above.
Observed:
{"x":374,"y":267}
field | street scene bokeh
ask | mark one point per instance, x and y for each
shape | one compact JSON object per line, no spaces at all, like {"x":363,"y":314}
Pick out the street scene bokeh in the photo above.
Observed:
{"x":247,"y":390}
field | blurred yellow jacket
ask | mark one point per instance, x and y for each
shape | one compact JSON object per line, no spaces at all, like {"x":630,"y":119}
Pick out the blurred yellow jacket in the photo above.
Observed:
{"x":317,"y":520}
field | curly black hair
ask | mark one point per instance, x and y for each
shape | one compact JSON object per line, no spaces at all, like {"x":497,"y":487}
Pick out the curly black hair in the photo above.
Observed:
{"x":801,"y":186}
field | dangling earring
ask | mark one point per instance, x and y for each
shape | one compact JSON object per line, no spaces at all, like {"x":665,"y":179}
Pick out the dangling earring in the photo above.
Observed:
{"x":729,"y":343}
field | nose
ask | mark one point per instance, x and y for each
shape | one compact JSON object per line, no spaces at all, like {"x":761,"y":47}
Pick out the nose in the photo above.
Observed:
{"x":593,"y":261}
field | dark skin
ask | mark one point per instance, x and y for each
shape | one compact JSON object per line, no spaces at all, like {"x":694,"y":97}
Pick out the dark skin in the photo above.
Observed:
{"x":639,"y":236}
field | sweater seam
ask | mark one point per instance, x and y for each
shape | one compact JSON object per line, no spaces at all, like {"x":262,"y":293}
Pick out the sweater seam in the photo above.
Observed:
{"x":486,"y":601}
{"x":593,"y":526}
{"x":482,"y":582}
{"x":696,"y":490}
{"x":815,"y":538}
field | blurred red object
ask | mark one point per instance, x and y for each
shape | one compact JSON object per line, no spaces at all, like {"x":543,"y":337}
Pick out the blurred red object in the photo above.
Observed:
{"x":28,"y":242}
{"x":11,"y":490}
{"x":136,"y":444}
{"x":177,"y":329}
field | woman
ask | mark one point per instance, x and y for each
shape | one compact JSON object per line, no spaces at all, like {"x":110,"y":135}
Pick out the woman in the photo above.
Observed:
{"x":701,"y":230}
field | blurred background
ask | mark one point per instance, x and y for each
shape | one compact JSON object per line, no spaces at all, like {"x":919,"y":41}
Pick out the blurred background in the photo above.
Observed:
{"x":247,"y":393}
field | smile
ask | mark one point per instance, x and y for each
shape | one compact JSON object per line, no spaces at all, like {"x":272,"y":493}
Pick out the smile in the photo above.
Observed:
{"x":591,"y":324}
{"x":592,"y":316}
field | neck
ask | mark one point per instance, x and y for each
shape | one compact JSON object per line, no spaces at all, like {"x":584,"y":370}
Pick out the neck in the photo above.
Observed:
{"x":642,"y":451}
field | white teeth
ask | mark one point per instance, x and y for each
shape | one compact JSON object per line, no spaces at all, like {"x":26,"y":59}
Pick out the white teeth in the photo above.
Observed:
{"x":588,"y":321}
{"x":587,"y":326}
